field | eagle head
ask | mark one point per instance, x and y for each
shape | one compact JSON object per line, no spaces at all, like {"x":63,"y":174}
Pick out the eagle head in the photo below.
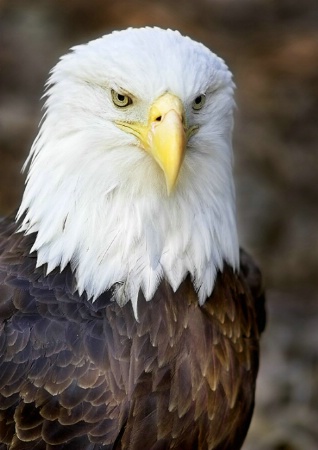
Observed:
{"x":130,"y":177}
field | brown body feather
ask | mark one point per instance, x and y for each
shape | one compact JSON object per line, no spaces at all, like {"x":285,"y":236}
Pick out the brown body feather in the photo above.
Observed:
{"x":82,"y":375}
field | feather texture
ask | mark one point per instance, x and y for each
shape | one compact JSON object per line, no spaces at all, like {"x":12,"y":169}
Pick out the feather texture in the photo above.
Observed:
{"x":76,"y":374}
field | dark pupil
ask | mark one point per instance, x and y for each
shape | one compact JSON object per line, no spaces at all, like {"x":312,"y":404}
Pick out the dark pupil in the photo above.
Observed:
{"x":198,"y":100}
{"x":121,"y":97}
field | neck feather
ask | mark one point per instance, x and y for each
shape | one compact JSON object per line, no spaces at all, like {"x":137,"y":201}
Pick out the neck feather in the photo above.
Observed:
{"x":120,"y":230}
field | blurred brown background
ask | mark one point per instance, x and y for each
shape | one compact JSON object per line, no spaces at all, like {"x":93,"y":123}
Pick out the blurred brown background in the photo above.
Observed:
{"x":272,"y":48}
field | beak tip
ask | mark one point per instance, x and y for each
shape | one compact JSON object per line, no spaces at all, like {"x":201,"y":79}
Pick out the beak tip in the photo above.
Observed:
{"x":169,"y":190}
{"x":170,"y":184}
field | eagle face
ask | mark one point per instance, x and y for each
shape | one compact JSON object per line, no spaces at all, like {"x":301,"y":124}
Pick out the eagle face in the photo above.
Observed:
{"x":130,"y":177}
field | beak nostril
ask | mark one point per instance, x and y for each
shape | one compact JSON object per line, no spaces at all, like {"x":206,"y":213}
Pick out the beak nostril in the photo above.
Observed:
{"x":158,"y":119}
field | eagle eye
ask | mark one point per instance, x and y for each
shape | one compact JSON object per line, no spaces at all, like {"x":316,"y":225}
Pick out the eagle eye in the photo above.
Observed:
{"x":198,"y":102}
{"x":120,"y":100}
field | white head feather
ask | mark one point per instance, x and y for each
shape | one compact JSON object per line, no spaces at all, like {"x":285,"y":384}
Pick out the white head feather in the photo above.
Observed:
{"x":98,"y":201}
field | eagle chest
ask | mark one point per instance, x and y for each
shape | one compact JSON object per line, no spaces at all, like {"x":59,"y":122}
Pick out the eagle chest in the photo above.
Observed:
{"x":182,"y":376}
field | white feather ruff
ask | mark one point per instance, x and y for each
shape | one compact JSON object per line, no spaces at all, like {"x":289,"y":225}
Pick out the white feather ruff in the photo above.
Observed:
{"x":98,"y":200}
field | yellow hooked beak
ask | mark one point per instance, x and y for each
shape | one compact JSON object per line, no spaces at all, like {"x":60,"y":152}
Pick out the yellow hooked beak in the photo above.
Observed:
{"x":165,"y":135}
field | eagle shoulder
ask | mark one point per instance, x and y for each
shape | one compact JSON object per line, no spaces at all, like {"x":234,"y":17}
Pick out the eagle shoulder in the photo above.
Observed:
{"x":253,"y":277}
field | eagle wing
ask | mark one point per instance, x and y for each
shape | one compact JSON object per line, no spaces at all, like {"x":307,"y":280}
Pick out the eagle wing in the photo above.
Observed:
{"x":56,"y":377}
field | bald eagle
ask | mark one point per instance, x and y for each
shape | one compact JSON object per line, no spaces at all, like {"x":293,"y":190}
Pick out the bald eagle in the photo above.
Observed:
{"x":129,"y":318}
